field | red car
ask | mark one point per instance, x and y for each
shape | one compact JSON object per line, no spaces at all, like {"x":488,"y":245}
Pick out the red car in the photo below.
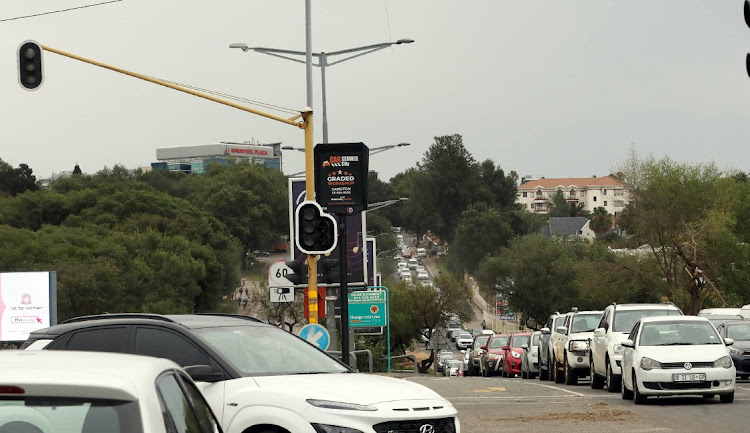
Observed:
{"x":512,"y":353}
{"x":490,"y":362}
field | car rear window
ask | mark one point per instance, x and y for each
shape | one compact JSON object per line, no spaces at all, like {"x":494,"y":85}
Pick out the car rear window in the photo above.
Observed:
{"x":624,"y":320}
{"x":69,"y":415}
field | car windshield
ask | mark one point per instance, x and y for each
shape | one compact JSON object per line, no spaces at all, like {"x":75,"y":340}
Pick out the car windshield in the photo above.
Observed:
{"x":739,"y":331}
{"x":267,"y":350}
{"x":678,"y":333}
{"x":498,"y":342}
{"x":624,"y":320}
{"x":535,"y":340}
{"x":481,"y":340}
{"x":585,"y":322}
{"x":520,"y":340}
{"x":69,"y":415}
{"x":464,"y":336}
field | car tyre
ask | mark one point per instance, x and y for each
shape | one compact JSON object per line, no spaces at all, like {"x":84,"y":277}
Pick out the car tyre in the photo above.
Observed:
{"x":559,"y":378}
{"x":613,"y":382}
{"x":638,"y":398}
{"x":597,"y":382}
{"x":744,"y":376}
{"x":524,"y":375}
{"x":625,"y":393}
{"x":727,"y":398}
{"x":571,"y":377}
{"x":543,"y":372}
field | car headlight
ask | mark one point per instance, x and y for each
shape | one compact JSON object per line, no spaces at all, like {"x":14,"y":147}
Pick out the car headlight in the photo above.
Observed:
{"x":326,"y":404}
{"x":724,"y":362}
{"x":515,"y":355}
{"x":617,"y":349}
{"x":325,"y":428}
{"x":736,"y":352}
{"x":578,"y":345}
{"x":493,"y":356}
{"x":649,"y":364}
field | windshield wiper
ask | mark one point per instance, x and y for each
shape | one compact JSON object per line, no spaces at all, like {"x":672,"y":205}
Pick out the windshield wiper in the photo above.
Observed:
{"x":676,"y":344}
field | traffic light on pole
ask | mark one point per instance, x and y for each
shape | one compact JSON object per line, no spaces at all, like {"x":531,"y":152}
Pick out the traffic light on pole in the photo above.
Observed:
{"x":328,"y":270}
{"x":30,"y":65}
{"x":299,"y":272}
{"x":747,"y":21}
{"x":316,"y":230}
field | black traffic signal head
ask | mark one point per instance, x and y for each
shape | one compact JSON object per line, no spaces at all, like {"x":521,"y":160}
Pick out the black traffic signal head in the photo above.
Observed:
{"x":30,"y":65}
{"x":746,"y":9}
{"x":316,"y":230}
{"x":329,"y":270}
{"x":299,"y":272}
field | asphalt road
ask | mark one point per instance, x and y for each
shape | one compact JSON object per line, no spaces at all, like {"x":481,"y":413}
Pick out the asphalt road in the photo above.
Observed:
{"x":498,"y":404}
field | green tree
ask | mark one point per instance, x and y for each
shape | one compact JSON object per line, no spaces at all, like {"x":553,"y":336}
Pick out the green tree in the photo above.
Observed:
{"x":560,"y":207}
{"x":601,"y":221}
{"x":481,"y":231}
{"x":683,"y":212}
{"x":14,"y":181}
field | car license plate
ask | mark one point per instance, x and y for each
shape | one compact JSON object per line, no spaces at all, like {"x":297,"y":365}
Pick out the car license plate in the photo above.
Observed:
{"x":689,"y":377}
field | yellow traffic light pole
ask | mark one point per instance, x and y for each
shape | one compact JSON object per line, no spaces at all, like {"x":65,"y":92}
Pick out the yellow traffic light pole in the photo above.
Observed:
{"x":305,"y":124}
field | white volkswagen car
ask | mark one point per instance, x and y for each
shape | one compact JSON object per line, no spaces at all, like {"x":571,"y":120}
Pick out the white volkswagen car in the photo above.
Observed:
{"x":676,"y":356}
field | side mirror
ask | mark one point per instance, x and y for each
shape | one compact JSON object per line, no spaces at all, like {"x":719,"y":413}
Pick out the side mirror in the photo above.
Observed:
{"x":484,"y":346}
{"x":628,"y":343}
{"x":505,"y":347}
{"x":203,"y":373}
{"x":562,"y":329}
{"x":525,"y":346}
{"x":729,"y":341}
{"x":544,"y":331}
{"x":599,"y":332}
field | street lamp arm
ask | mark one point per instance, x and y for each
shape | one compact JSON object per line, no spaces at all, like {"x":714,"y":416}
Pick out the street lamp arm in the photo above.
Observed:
{"x":274,"y":54}
{"x":354,"y":56}
{"x":379,"y":46}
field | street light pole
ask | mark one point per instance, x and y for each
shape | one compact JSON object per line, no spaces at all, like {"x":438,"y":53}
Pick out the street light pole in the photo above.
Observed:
{"x":322,"y":63}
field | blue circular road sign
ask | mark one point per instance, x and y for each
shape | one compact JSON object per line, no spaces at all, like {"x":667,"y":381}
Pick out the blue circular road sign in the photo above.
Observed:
{"x":316,"y":335}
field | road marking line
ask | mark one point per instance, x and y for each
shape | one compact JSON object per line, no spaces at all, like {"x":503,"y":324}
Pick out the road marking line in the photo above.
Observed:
{"x":559,"y":389}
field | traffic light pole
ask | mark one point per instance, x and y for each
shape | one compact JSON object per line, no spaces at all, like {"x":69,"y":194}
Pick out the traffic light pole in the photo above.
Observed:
{"x":306,"y":124}
{"x":343,"y":291}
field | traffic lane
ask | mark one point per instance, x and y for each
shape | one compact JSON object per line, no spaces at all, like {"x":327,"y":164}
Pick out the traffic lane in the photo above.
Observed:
{"x":491,"y":404}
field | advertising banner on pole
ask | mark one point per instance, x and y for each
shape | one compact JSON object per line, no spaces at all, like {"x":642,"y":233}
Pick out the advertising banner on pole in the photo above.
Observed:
{"x":341,"y":171}
{"x":28,"y":301}
{"x":355,"y":237}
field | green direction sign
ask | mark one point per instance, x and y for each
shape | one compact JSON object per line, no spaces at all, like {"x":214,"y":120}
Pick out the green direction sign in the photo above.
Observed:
{"x":367,"y":308}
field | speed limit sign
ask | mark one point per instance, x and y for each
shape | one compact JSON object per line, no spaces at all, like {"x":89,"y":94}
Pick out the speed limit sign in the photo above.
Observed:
{"x":277,"y":275}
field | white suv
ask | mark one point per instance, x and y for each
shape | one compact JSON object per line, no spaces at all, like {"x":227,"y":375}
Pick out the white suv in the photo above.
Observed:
{"x":83,"y":392}
{"x":614,"y":327}
{"x":571,"y":346}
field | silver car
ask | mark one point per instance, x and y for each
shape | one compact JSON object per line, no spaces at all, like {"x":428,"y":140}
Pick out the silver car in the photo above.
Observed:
{"x":464,"y":340}
{"x":530,"y":357}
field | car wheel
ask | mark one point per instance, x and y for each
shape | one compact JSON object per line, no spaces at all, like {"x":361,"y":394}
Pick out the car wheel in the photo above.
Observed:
{"x":626,"y":393}
{"x":727,"y":398}
{"x":597,"y":382}
{"x":638,"y":398}
{"x":571,"y":377}
{"x":613,"y":382}
{"x":743,"y":377}
{"x":543,"y":372}
{"x":559,"y":378}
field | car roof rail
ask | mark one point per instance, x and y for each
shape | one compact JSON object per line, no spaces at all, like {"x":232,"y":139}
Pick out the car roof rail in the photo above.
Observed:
{"x":236,"y":316}
{"x":107,"y":316}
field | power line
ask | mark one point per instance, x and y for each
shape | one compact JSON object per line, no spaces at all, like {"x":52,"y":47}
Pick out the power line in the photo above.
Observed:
{"x":58,"y":11}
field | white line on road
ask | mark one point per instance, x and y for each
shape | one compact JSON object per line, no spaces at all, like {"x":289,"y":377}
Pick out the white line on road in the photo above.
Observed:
{"x":559,"y":389}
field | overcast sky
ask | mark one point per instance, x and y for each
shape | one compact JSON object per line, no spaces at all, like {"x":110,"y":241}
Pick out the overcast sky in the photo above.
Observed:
{"x":549,"y":88}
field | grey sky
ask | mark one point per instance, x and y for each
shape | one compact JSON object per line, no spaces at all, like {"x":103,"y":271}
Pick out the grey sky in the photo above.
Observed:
{"x":552,"y":88}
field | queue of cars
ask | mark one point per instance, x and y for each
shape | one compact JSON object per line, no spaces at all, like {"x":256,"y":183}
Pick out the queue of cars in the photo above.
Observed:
{"x":639,"y":350}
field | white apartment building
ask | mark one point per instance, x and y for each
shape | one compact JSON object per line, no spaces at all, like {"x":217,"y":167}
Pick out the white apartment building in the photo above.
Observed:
{"x":534,"y":194}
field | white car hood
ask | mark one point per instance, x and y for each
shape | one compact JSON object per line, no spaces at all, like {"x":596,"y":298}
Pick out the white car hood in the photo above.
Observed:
{"x":348,"y":387}
{"x":697,"y":353}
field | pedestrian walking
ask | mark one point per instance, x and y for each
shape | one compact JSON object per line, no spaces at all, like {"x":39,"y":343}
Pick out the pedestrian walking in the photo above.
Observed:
{"x":484,"y":324}
{"x":243,"y":281}
{"x":244,"y":304}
